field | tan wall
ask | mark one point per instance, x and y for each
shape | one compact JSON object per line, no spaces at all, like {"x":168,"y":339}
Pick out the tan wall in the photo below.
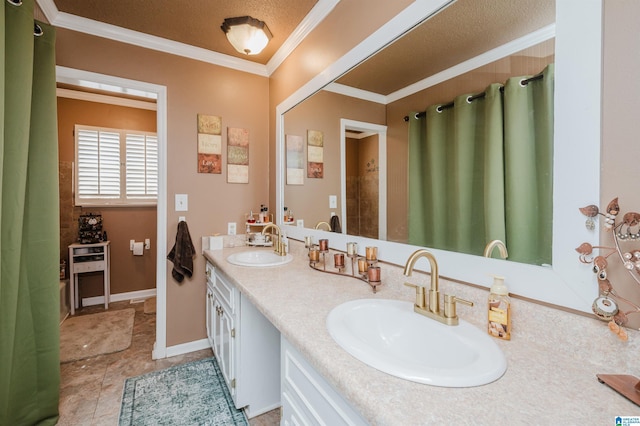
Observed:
{"x":193,"y":87}
{"x":323,"y":112}
{"x":128,"y":273}
{"x":620,"y":128}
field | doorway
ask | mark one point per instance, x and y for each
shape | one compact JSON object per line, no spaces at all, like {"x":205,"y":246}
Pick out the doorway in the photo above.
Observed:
{"x":363,"y":156}
{"x":143,"y":90}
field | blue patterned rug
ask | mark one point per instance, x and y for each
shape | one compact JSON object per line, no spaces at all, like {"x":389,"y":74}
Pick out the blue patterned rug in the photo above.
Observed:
{"x":187,"y":394}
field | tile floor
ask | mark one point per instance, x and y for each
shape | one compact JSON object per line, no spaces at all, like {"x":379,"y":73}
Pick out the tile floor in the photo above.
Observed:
{"x":91,"y":389}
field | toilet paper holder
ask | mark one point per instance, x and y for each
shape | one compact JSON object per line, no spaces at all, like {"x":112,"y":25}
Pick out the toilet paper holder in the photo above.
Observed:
{"x":135,"y":246}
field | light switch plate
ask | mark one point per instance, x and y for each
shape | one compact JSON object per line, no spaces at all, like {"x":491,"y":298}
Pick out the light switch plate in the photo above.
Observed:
{"x":182,"y":202}
{"x":300,"y":223}
{"x":333,"y":201}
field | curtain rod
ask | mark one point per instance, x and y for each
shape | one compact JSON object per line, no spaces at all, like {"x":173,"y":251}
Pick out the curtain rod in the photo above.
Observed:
{"x":471,"y":98}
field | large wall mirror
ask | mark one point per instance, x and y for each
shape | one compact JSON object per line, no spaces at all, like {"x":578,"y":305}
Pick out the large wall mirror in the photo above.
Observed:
{"x":436,"y":50}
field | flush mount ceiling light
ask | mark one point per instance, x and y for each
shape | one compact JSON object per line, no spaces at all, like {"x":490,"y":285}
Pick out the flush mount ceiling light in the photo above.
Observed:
{"x":246,"y":34}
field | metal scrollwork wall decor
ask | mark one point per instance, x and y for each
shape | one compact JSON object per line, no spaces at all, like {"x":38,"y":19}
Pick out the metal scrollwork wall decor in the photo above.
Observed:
{"x":625,"y":231}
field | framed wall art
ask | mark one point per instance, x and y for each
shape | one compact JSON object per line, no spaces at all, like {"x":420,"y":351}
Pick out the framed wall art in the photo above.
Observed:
{"x":295,"y":159}
{"x":315,"y":154}
{"x":237,"y":155}
{"x":209,"y":144}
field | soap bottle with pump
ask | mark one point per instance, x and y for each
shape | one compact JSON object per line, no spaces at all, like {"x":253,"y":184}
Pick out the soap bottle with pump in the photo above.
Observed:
{"x":499,"y":306}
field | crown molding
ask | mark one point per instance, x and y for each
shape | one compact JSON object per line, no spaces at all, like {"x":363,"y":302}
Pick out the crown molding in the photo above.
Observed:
{"x":113,"y":32}
{"x":353,"y":92}
{"x":313,"y":18}
{"x":105,"y":99}
{"x":531,"y":39}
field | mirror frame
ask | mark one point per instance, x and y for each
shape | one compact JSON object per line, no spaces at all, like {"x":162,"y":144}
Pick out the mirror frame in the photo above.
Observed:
{"x":577,"y":132}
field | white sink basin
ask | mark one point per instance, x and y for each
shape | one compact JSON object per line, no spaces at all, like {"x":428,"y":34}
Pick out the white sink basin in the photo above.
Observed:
{"x":261,"y":258}
{"x":389,"y":336}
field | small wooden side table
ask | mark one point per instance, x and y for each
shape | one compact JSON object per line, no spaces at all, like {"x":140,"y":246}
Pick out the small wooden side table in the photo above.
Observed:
{"x":88,"y":258}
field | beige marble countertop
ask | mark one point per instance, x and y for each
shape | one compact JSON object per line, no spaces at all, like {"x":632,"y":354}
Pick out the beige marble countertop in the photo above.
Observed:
{"x":553,"y":357}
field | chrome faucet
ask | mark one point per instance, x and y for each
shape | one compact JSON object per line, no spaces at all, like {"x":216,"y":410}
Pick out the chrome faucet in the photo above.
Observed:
{"x":432,"y":309}
{"x":323,"y":223}
{"x":278,"y":245}
{"x":492,"y":245}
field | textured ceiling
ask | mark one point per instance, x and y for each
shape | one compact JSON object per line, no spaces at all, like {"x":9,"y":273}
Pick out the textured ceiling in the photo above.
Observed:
{"x":460,"y":32}
{"x":195,"y":22}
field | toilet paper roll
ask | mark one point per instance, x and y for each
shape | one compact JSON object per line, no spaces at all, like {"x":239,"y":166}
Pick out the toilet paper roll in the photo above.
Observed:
{"x":138,"y":249}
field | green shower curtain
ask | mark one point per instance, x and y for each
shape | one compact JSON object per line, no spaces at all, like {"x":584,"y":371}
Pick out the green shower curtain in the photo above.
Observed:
{"x":528,"y":149}
{"x":481,"y":170}
{"x":29,"y":221}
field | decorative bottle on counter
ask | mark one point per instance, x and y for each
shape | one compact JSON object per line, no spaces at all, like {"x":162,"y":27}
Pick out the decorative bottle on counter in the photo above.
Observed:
{"x":499,"y":310}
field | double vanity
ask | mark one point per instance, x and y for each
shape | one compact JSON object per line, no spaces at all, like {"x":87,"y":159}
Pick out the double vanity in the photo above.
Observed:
{"x":288,"y":335}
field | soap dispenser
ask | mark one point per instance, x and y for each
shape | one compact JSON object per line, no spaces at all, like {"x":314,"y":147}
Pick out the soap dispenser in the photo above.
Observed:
{"x":499,"y":310}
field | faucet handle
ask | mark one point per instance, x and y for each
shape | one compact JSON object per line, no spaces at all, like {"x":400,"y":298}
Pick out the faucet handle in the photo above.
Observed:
{"x":420,"y":298}
{"x":450,"y":305}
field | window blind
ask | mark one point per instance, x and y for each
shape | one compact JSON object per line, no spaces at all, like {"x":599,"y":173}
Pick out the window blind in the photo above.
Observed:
{"x":115,"y":166}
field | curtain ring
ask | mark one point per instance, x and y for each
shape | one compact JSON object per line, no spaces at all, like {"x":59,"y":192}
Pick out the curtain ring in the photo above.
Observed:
{"x":37,"y":30}
{"x":469,"y":99}
{"x":15,"y":2}
{"x":439,"y":108}
{"x":416,"y":116}
{"x":523,"y":82}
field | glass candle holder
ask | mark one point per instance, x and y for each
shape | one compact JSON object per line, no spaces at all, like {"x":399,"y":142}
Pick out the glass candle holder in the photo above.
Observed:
{"x":373,"y":273}
{"x":324,"y":244}
{"x":352,"y":249}
{"x":338,"y":260}
{"x":362,"y":266}
{"x":308,"y":242}
{"x":314,"y":254}
{"x":371,"y":253}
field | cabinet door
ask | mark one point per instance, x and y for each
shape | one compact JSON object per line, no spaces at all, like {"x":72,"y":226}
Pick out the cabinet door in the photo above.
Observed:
{"x":307,"y":398}
{"x":210,"y":317}
{"x":224,"y":349}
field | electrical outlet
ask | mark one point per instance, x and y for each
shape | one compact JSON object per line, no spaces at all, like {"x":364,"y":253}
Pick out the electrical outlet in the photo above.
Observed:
{"x":333,"y":201}
{"x":300,"y":223}
{"x":231,"y":228}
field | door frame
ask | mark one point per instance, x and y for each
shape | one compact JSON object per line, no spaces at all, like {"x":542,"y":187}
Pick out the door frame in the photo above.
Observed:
{"x":119,"y":85}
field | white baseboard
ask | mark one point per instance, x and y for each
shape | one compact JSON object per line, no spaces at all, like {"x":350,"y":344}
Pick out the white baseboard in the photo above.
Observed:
{"x":185,"y":348}
{"x":118,"y":297}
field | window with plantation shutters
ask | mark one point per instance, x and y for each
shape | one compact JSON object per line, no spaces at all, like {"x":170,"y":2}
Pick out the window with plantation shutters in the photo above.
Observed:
{"x":141,"y":166}
{"x":115,"y":167}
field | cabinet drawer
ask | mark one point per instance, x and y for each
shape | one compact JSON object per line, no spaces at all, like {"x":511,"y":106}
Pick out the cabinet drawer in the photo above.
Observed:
{"x":225,"y":291}
{"x":81,"y":267}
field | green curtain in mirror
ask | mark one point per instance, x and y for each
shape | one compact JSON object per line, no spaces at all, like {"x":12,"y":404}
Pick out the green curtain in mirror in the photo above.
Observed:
{"x":29,"y":222}
{"x":482,"y":170}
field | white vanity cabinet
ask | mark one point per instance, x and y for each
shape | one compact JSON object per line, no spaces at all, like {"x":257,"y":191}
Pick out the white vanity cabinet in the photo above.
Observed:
{"x":307,"y":398}
{"x":246,"y":345}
